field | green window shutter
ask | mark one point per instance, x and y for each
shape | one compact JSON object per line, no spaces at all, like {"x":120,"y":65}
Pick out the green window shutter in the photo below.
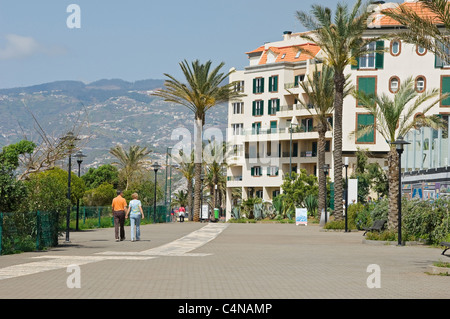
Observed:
{"x":275,"y":84}
{"x":270,"y":108}
{"x":355,"y":67}
{"x":261,"y":112}
{"x":252,"y":171}
{"x":438,"y":62}
{"x":296,"y":80}
{"x":445,"y":89}
{"x":270,"y":83}
{"x":276,"y":171}
{"x":254,"y":108}
{"x":253,"y":128}
{"x":261,"y":89}
{"x":379,"y":58}
{"x":367,"y":85}
{"x":364,"y":120}
{"x":254,"y":86}
{"x":273,"y":126}
{"x":278,"y":105}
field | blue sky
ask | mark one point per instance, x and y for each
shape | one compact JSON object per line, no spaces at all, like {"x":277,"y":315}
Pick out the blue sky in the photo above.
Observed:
{"x":135,"y":39}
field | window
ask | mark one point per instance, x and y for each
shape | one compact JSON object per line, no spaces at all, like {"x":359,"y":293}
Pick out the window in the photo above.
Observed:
{"x":259,"y":193}
{"x":298,"y":54}
{"x":283,"y":56}
{"x":307,"y":125}
{"x":238,"y":108}
{"x":298,"y":79}
{"x":363,"y":122}
{"x":274,"y":106}
{"x":273,"y":127}
{"x":256,"y":128}
{"x":258,"y":108}
{"x":420,"y":50}
{"x":396,"y":47}
{"x":256,"y":171}
{"x":237,"y":150}
{"x":258,"y":85}
{"x":394,"y":84}
{"x":445,"y":88}
{"x":420,"y":84}
{"x":371,"y":60}
{"x":272,"y":171}
{"x":441,"y":62}
{"x":239,"y":86}
{"x":367,"y":84}
{"x":273,"y":83}
{"x":237,"y":128}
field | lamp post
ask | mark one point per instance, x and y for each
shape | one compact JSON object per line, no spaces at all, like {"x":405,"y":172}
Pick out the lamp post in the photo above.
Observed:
{"x":325,"y":169}
{"x":202,"y":178}
{"x":155,"y":167}
{"x":346,"y":194}
{"x":399,"y":145}
{"x":290,"y":150}
{"x":70,"y":139}
{"x":165,"y":186}
{"x":79,"y":156}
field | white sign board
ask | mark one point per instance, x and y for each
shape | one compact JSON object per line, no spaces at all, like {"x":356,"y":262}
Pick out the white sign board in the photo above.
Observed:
{"x":205,"y":212}
{"x":301,"y":216}
{"x":352,"y":191}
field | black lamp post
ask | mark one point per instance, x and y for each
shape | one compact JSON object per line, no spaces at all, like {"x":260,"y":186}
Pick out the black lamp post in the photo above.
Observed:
{"x":155,"y":167}
{"x":79,"y":156}
{"x":325,"y":168}
{"x":346,"y":193}
{"x":399,"y":145}
{"x":69,"y":141}
{"x":202,"y":178}
{"x":290,"y":149}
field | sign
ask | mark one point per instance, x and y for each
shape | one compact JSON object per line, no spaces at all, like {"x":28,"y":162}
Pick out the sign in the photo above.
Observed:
{"x":301,"y":216}
{"x":205,"y":212}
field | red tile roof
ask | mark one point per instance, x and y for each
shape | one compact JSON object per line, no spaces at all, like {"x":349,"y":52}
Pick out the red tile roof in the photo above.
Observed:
{"x":418,"y":7}
{"x":288,"y":53}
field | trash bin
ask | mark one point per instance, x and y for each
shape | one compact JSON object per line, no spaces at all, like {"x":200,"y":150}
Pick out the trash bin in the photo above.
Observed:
{"x":216,"y":213}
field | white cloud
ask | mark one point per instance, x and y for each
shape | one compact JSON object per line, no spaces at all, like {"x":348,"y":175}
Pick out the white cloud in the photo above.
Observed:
{"x":18,"y":46}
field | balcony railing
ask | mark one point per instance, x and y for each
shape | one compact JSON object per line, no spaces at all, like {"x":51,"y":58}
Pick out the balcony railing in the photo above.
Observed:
{"x":234,"y":178}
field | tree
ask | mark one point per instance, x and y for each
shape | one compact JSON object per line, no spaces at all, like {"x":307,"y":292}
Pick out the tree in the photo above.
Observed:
{"x":319,"y":90}
{"x":298,"y":187}
{"x":102,"y":195}
{"x":203,"y":91}
{"x":186,"y":168}
{"x":103,"y":174}
{"x":341,"y":41}
{"x":396,"y":117}
{"x":180,"y":199}
{"x":430,"y":31}
{"x":131,"y":162}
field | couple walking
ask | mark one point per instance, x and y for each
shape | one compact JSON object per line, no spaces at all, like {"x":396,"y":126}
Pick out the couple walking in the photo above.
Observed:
{"x":120,"y":213}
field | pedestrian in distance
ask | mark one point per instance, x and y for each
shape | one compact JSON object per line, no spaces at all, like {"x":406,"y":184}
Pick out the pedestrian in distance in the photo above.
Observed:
{"x":119,"y":206}
{"x":181,"y":213}
{"x":136,"y":213}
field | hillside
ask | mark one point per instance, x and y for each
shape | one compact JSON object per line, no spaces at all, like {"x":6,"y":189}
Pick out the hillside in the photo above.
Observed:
{"x":109,"y":112}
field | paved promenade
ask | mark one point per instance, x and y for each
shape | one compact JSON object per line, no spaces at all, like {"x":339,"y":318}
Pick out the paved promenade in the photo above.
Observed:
{"x":223,"y":261}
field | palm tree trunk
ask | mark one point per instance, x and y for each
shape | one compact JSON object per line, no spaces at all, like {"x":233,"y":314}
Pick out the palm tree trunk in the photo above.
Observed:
{"x":321,"y":163}
{"x":339,"y":83}
{"x":190,"y":201}
{"x":198,"y":166}
{"x":393,"y":189}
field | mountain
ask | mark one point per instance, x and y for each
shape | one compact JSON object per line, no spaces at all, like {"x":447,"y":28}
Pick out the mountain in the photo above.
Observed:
{"x":108,"y":111}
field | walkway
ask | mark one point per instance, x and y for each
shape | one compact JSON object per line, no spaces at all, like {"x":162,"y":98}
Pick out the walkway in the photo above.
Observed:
{"x":223,"y":261}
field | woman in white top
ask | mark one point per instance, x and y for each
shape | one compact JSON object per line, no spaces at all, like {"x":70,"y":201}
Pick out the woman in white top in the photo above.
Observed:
{"x":135,"y":211}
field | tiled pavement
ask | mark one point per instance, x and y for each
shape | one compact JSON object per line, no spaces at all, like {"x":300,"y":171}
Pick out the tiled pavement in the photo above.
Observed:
{"x":223,"y":261}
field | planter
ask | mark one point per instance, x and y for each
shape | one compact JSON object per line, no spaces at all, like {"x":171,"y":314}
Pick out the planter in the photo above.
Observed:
{"x":434,"y":270}
{"x":393,"y":243}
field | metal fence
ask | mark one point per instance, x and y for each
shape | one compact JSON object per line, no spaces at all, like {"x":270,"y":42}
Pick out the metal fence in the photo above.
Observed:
{"x":33,"y":231}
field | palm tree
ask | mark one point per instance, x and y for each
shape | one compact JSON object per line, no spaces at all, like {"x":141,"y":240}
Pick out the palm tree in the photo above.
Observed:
{"x":181,"y":199}
{"x":395,"y":118}
{"x":130,"y":162}
{"x":203,"y":90}
{"x":341,"y":42}
{"x":428,"y":31}
{"x":319,"y":90}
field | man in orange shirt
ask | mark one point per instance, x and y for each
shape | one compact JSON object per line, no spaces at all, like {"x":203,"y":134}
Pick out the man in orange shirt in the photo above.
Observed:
{"x":119,"y":205}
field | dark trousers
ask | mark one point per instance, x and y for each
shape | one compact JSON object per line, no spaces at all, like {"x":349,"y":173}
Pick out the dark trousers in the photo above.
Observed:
{"x":119,"y":224}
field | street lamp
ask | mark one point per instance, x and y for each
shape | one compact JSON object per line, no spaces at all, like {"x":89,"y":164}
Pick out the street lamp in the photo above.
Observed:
{"x":325,"y":169}
{"x":165,"y":186}
{"x":70,"y":139}
{"x":155,"y":167}
{"x":79,"y":156}
{"x":346,"y":193}
{"x":290,"y":150}
{"x":399,"y":145}
{"x":202,"y":178}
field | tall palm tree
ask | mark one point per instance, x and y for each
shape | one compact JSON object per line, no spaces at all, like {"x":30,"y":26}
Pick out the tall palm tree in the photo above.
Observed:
{"x":130,"y":162}
{"x":204,"y":89}
{"x":319,"y":90}
{"x":396,"y":117}
{"x":429,"y":31}
{"x":341,"y":41}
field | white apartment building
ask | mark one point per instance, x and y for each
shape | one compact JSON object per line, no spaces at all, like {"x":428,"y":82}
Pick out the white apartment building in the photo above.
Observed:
{"x":264,"y":146}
